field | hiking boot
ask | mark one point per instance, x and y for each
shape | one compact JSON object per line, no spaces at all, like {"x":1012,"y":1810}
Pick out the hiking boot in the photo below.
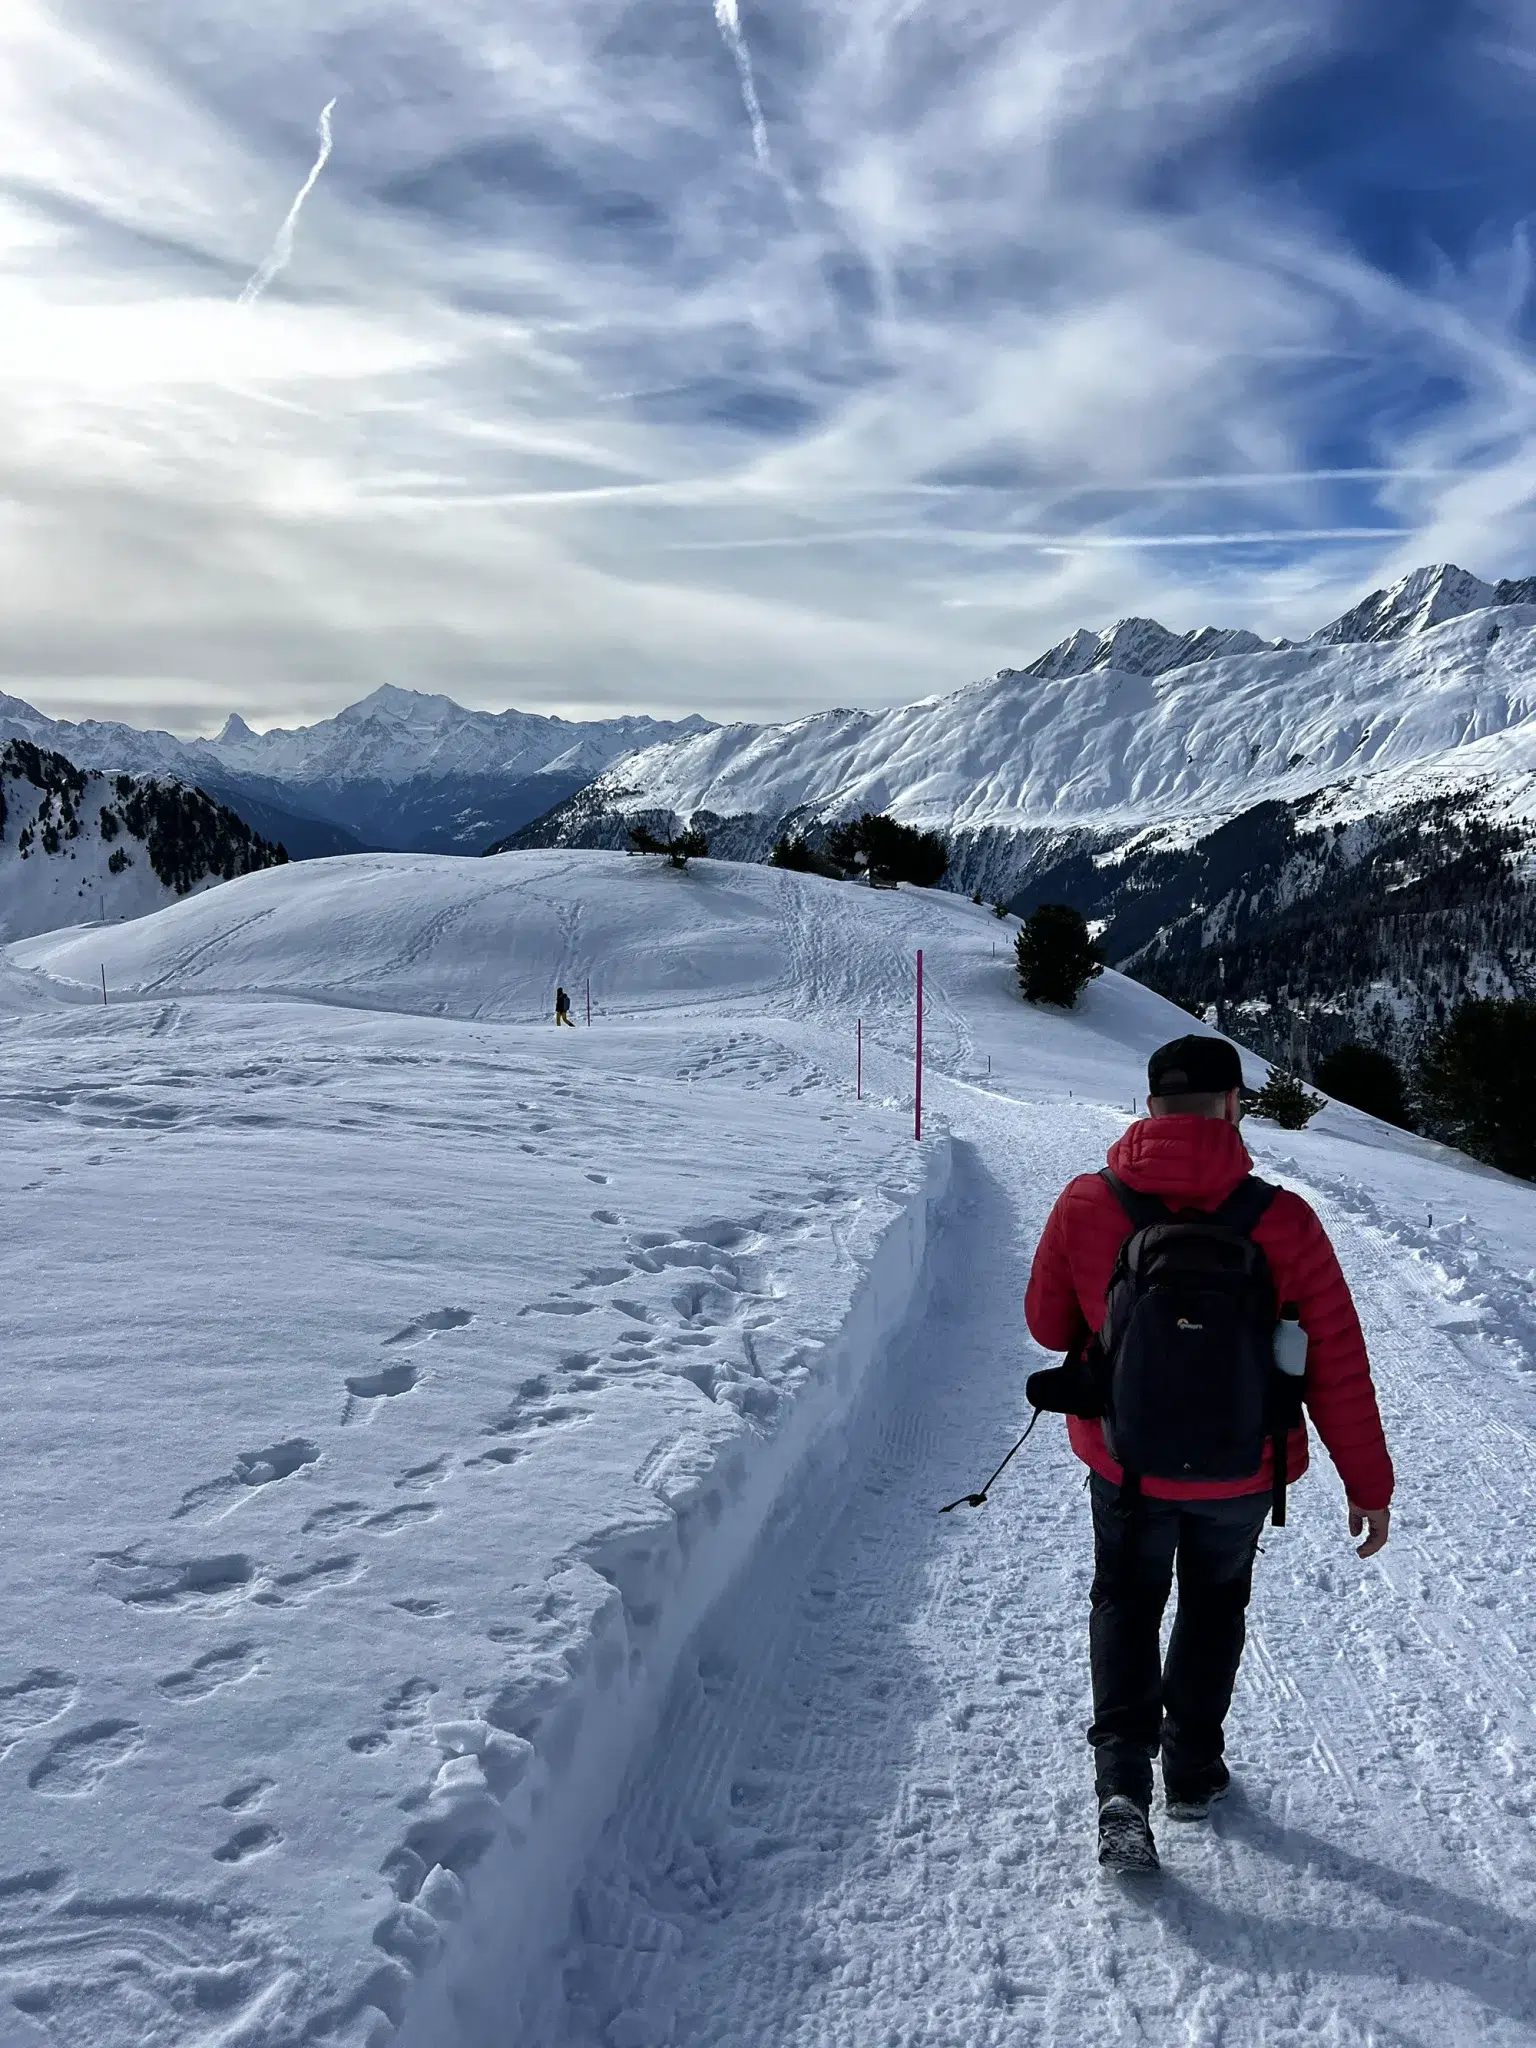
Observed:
{"x":1125,"y":1837}
{"x":1194,"y":1802}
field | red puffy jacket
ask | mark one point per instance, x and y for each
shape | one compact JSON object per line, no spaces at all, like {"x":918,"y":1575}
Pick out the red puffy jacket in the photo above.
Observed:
{"x":1195,"y":1162}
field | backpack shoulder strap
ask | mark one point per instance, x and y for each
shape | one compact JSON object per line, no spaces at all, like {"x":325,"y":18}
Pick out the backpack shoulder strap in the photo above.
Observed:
{"x":1245,"y":1205}
{"x":1140,"y":1208}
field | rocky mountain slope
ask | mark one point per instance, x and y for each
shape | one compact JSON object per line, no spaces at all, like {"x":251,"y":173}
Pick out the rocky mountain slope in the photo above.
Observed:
{"x":78,"y":847}
{"x":400,"y":770}
{"x":1184,"y":792}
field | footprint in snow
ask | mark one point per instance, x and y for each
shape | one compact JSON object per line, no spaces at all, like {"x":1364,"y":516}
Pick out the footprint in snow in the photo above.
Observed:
{"x":32,"y":1701}
{"x":296,"y":1587}
{"x":210,"y":1672}
{"x":210,"y":1582}
{"x":245,"y":1798}
{"x":406,"y":1707}
{"x":429,"y":1325}
{"x":77,"y":1762}
{"x":244,"y":1843}
{"x":251,"y":1469}
{"x":420,"y":1477}
{"x":386,"y":1384}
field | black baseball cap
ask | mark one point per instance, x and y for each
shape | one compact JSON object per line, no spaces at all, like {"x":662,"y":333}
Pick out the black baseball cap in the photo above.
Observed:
{"x":1194,"y":1066}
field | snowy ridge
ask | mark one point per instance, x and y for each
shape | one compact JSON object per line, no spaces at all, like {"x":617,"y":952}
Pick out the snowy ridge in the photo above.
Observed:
{"x":1141,"y":647}
{"x":1118,"y":751}
{"x":1427,"y":597}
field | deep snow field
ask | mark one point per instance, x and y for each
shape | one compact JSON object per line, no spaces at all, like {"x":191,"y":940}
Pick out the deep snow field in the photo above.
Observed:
{"x":472,"y":1576}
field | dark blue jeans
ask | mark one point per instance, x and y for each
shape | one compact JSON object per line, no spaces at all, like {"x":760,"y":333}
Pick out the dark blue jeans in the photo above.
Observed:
{"x":1143,"y":1703}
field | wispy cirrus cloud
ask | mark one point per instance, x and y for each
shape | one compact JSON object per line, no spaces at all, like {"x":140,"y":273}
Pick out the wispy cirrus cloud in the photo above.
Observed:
{"x":1045,"y":314}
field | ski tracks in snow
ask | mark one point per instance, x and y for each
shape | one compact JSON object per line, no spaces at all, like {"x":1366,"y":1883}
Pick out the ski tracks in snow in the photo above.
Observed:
{"x":866,"y":1818}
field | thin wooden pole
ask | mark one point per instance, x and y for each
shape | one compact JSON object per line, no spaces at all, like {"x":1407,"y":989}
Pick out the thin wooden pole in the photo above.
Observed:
{"x":589,"y":1002}
{"x":918,"y":1122}
{"x":858,"y":1061}
{"x":103,"y":984}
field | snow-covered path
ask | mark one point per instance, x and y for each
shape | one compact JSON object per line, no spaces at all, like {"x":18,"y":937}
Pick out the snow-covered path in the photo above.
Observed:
{"x":868,"y":1817}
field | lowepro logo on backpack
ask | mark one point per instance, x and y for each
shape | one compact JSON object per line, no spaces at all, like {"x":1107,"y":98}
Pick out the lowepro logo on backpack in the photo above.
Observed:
{"x":1188,"y":1340}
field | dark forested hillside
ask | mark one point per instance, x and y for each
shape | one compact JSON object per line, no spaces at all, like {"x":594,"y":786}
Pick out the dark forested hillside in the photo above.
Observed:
{"x":1299,"y":936}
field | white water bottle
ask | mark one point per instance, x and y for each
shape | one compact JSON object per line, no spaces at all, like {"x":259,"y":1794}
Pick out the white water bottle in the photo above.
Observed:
{"x":1290,"y":1341}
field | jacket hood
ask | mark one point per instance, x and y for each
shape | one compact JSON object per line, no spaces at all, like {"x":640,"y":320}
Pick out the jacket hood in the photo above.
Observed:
{"x":1191,"y":1161}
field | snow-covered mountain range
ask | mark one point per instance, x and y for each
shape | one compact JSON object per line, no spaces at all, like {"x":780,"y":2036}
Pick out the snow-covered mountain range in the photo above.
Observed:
{"x":78,"y":847}
{"x":399,"y":770}
{"x":1213,"y":802}
{"x":1126,"y":732}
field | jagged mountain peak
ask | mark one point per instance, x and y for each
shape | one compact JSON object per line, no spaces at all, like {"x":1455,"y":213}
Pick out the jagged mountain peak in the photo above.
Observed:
{"x":1142,"y":647}
{"x":1424,"y":598}
{"x":416,"y":707}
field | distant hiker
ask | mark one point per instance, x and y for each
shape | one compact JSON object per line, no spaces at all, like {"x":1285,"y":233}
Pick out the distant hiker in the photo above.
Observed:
{"x":1166,"y":1278}
{"x":563,"y":1008}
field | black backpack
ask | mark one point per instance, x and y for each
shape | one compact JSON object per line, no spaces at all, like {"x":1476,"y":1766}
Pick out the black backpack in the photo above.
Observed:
{"x":1187,"y":1368}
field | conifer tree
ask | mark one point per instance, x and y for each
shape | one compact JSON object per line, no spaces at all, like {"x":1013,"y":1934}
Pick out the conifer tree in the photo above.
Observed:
{"x":1285,"y":1100}
{"x":1366,"y":1079}
{"x":1056,"y":957}
{"x":1474,"y":1082}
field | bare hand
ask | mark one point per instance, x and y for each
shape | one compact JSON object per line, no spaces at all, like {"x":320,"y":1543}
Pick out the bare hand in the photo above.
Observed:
{"x":1374,"y":1523}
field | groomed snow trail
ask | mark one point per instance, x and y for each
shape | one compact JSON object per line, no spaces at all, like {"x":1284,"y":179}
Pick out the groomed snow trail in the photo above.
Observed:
{"x":867,"y":1816}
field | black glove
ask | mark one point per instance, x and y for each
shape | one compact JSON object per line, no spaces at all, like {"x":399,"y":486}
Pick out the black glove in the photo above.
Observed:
{"x":1075,"y":1387}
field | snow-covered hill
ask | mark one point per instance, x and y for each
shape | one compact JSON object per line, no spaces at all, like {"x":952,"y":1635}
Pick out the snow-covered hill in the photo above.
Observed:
{"x":398,"y":769}
{"x":477,"y":1578}
{"x":78,"y":847}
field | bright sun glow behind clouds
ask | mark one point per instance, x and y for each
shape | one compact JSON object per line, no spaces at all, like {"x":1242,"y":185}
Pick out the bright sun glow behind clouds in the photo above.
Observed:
{"x":700,"y":355}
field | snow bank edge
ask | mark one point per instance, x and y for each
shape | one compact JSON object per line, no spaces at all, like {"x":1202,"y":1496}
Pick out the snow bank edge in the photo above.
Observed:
{"x":487,"y":1876}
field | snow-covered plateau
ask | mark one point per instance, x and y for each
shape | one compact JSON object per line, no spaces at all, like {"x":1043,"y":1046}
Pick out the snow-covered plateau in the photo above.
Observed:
{"x":473,"y":1576}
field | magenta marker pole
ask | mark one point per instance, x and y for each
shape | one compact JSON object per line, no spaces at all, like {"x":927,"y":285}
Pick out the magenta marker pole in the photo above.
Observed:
{"x":589,"y":1002}
{"x":918,"y":1128}
{"x":858,"y":1061}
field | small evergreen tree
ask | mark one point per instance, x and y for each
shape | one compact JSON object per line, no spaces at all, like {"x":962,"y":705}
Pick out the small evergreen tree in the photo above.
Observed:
{"x":891,"y":852}
{"x":1368,"y":1080}
{"x":1056,"y":958}
{"x":1476,"y":1082}
{"x":999,"y":910}
{"x":802,"y":858}
{"x":680,"y":849}
{"x":1286,"y":1101}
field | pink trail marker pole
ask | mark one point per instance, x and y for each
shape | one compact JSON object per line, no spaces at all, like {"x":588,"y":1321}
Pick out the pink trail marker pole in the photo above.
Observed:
{"x":918,"y":1125}
{"x":858,"y":1061}
{"x":589,"y":1002}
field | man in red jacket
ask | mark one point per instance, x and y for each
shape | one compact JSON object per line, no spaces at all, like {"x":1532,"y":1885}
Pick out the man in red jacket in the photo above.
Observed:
{"x":1187,"y":1152}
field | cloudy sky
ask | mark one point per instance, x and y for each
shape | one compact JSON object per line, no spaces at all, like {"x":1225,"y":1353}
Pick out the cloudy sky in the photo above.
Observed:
{"x":740,"y":356}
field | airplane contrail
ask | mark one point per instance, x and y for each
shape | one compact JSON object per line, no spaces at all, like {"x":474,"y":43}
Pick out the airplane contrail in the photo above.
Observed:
{"x":728,"y":15}
{"x":282,"y":247}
